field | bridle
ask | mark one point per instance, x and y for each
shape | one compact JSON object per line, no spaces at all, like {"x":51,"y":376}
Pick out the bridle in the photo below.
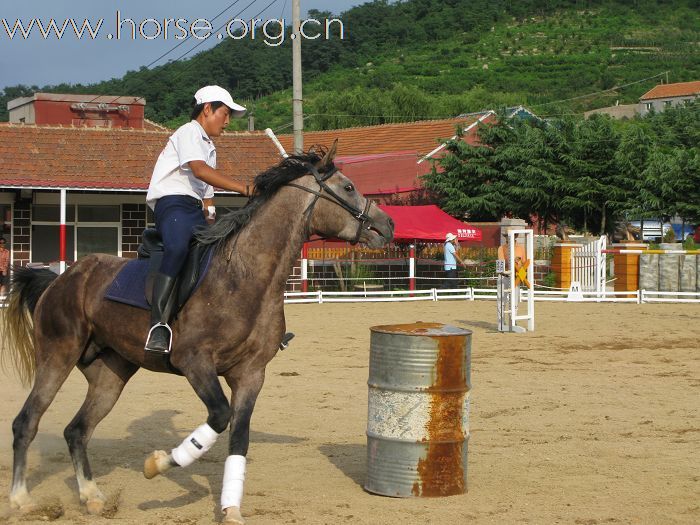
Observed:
{"x":361,"y":216}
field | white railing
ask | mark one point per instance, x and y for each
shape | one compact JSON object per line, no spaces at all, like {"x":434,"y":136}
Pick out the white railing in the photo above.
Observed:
{"x":588,"y":265}
{"x":471,"y":294}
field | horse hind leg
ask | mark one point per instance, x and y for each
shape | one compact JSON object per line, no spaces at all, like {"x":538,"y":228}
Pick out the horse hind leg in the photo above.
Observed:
{"x":51,"y":373}
{"x":107,"y":375}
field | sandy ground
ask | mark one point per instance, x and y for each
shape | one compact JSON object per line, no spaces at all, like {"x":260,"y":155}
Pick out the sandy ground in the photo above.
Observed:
{"x":591,"y":419}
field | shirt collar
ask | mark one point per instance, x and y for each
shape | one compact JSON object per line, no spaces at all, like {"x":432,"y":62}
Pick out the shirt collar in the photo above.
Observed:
{"x":201,"y":130}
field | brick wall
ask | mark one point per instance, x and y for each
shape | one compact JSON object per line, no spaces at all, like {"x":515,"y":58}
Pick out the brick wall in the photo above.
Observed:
{"x":133,"y":224}
{"x":21,"y":231}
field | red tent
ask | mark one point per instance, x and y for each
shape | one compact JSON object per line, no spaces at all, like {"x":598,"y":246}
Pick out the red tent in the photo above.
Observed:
{"x":428,"y":223}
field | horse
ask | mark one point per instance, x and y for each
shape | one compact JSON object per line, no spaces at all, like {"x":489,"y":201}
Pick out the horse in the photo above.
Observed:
{"x":231,"y":326}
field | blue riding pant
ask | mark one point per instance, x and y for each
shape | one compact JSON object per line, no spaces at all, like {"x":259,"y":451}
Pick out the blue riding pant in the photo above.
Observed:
{"x":176,"y":218}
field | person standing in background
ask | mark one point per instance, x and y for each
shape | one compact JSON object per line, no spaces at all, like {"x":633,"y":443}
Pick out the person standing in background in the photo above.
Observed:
{"x":4,"y":268}
{"x":450,"y":264}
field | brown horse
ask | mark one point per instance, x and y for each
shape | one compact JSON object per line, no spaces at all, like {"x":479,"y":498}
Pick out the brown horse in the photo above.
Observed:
{"x":231,"y":326}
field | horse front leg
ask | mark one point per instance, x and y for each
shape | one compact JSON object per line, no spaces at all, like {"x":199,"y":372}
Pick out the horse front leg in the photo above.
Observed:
{"x":204,"y":380}
{"x":244,"y":392}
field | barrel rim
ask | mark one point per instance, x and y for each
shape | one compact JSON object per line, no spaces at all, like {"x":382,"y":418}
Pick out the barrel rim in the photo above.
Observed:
{"x":430,"y":329}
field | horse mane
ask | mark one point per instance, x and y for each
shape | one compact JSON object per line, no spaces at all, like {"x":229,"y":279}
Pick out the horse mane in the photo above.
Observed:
{"x":266,"y":185}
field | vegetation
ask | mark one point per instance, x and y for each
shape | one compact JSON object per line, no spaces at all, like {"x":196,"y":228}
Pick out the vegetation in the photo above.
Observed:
{"x":418,"y":59}
{"x":589,"y":174}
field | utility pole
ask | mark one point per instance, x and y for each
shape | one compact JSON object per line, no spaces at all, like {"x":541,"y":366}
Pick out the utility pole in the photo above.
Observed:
{"x":296,"y":79}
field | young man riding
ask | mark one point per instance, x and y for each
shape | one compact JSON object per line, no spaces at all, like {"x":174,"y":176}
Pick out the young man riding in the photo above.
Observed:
{"x":184,"y":176}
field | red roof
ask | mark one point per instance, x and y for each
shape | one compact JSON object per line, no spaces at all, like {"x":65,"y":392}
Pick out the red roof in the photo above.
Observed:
{"x":679,"y":89}
{"x":420,"y":137}
{"x":112,"y":159}
{"x":428,"y":223}
{"x":386,"y":173}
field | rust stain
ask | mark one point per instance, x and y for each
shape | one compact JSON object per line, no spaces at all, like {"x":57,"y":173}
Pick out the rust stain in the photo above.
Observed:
{"x":441,"y":472}
{"x":408,"y":329}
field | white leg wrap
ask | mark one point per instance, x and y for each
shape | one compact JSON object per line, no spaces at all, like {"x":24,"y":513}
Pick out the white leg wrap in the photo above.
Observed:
{"x":194,"y":446}
{"x":234,"y":476}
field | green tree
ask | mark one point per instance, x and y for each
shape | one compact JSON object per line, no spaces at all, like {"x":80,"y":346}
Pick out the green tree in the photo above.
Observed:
{"x":591,"y":189}
{"x":631,"y":158}
{"x":471,"y":180}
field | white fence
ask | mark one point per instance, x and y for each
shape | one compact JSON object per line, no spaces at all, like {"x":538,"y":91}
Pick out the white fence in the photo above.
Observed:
{"x":588,"y":265}
{"x":471,"y":294}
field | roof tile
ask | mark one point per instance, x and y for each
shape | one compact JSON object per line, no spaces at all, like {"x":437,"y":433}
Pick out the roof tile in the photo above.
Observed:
{"x":421,"y":137}
{"x":679,"y":89}
{"x":81,"y":158}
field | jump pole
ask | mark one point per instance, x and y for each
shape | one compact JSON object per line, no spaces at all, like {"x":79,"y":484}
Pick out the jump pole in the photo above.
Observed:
{"x":305,"y":268}
{"x":530,"y":254}
{"x":412,"y":267}
{"x":62,"y":235}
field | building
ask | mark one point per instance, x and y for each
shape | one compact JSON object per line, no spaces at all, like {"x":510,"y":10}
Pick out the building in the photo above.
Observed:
{"x":618,"y":111}
{"x":388,"y":160}
{"x":656,"y":99}
{"x":100,"y":111}
{"x":665,"y":96}
{"x":105,"y":170}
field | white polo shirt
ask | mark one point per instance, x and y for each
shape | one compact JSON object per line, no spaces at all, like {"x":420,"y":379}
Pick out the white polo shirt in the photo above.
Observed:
{"x":172,"y":174}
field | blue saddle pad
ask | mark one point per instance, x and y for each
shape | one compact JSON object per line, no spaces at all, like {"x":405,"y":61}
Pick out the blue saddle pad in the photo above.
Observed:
{"x":129,"y":286}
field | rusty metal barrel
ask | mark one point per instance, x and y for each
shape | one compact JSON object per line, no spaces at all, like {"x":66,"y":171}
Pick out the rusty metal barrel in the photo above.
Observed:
{"x":418,"y":410}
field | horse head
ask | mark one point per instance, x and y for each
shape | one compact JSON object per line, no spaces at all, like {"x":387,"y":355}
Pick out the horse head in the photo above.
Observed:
{"x":340,"y":211}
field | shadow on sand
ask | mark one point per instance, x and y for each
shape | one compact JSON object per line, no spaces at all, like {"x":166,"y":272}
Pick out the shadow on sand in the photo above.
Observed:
{"x":153,"y":432}
{"x":350,"y":459}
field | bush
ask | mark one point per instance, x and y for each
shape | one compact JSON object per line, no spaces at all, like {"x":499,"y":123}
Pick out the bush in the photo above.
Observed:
{"x":689,"y":244}
{"x":669,"y":236}
{"x":550,"y":280}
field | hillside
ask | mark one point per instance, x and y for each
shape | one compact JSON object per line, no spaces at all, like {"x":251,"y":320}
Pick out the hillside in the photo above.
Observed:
{"x":429,"y":58}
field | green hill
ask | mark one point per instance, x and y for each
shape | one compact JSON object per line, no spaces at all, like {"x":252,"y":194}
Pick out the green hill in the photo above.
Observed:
{"x":428,"y":58}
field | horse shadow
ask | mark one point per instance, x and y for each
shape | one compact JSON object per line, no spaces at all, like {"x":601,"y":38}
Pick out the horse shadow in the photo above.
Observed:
{"x":152,"y":432}
{"x":349,"y":458}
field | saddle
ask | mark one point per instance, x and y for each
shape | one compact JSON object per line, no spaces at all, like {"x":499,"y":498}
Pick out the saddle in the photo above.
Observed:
{"x":151,"y":248}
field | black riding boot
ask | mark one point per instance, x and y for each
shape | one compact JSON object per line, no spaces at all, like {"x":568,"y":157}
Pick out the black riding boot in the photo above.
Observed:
{"x":161,"y":308}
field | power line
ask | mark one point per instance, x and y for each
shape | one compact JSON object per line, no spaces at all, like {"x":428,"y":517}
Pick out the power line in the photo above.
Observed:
{"x":142,"y":82}
{"x":615,"y":88}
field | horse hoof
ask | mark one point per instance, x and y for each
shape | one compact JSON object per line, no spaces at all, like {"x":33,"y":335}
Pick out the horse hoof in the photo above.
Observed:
{"x":232,"y":516}
{"x":27,"y":508}
{"x":23,"y":503}
{"x":95,"y":507}
{"x":157,"y":463}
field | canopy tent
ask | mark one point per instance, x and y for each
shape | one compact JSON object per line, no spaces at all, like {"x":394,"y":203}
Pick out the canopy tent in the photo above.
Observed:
{"x":428,"y":223}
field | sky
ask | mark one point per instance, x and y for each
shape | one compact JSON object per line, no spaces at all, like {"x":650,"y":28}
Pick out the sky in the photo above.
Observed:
{"x":39,"y":61}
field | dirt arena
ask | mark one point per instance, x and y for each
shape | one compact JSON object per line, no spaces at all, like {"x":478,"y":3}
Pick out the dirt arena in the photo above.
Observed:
{"x":591,"y":419}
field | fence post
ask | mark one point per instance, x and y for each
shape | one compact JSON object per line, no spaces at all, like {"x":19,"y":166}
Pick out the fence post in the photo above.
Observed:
{"x":412,"y":267}
{"x":304,"y":268}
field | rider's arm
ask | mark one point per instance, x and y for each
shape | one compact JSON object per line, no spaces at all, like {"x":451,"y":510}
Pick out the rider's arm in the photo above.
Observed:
{"x":206,"y":173}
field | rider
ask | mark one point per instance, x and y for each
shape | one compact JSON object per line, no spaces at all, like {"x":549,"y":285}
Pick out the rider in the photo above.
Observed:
{"x":184,"y":176}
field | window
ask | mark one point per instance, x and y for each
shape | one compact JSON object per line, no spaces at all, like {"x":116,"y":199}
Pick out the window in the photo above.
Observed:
{"x":96,"y":239}
{"x":97,"y":230}
{"x":668,"y":103}
{"x":648,"y":105}
{"x":48,"y":213}
{"x":45,"y":243}
{"x":98,"y":213}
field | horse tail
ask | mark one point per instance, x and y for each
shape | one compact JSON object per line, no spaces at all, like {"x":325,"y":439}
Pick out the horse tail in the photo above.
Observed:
{"x":28,"y":286}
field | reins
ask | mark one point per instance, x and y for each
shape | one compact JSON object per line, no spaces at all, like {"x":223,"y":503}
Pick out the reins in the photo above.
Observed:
{"x":361,"y":216}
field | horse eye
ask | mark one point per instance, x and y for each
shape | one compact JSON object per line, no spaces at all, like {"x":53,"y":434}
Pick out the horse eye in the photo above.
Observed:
{"x":349,"y":188}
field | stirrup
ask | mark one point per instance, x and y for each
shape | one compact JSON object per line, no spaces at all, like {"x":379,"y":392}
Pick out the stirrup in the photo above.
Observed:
{"x":170,"y":339}
{"x":286,"y":339}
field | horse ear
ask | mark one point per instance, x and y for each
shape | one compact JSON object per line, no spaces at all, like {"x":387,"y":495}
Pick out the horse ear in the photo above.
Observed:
{"x":330,"y":155}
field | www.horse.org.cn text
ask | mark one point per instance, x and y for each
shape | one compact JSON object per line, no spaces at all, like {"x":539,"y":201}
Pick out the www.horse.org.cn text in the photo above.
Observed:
{"x":273,"y":32}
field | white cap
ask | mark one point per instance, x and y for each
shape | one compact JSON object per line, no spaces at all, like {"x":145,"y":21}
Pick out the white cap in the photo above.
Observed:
{"x":450,"y":237}
{"x":218,"y":94}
